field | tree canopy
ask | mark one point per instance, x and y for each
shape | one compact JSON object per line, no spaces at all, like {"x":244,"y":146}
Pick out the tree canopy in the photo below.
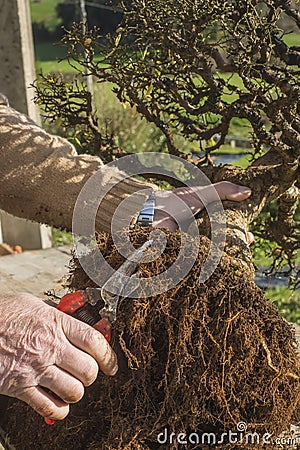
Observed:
{"x":191,"y":68}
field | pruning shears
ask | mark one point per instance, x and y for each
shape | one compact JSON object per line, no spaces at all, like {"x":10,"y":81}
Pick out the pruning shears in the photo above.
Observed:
{"x":82,"y":304}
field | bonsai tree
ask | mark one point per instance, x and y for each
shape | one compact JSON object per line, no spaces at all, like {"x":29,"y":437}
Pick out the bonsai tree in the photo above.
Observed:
{"x":192,"y":69}
{"x":202,"y":357}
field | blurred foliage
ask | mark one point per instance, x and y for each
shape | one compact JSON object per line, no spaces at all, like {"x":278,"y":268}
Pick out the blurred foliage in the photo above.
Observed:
{"x":287,"y":302}
{"x":267,"y":252}
{"x":60,"y":237}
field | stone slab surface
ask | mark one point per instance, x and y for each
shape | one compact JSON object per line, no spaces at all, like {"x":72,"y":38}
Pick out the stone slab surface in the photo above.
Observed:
{"x":34,"y":271}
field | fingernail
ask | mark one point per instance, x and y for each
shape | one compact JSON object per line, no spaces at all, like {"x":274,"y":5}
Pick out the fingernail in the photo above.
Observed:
{"x":115,"y":370}
{"x":245,"y":190}
{"x":250,"y":238}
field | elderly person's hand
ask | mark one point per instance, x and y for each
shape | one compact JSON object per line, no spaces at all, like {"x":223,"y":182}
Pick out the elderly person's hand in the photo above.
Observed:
{"x":191,"y":196}
{"x":44,"y":352}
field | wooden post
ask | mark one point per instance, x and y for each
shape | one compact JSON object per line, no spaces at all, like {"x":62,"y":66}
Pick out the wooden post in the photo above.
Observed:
{"x":16,"y":74}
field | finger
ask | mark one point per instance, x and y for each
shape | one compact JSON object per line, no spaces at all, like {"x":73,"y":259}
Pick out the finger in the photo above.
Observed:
{"x":44,"y":403}
{"x":231,"y":191}
{"x":64,"y":385}
{"x":78,"y":363}
{"x":90,"y":341}
{"x":200,"y":196}
{"x":223,"y":190}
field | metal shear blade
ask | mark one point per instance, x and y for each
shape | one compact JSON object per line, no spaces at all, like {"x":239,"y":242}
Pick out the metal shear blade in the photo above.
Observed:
{"x":122,"y":283}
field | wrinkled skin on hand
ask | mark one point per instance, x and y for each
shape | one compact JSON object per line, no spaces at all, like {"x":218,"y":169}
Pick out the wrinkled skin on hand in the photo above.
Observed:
{"x":44,"y":351}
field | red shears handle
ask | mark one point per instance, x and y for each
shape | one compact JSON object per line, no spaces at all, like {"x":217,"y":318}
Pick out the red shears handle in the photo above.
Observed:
{"x":70,"y":303}
{"x":104,"y":327}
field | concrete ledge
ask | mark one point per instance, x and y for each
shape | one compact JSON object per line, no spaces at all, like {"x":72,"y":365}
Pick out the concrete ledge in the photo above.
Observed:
{"x":34,"y":271}
{"x":30,"y":235}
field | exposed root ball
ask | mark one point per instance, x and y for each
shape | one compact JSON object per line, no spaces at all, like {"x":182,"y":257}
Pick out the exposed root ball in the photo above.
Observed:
{"x":198,"y":358}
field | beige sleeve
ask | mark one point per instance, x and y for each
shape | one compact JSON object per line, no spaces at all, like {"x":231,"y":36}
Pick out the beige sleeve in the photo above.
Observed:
{"x":41,"y":175}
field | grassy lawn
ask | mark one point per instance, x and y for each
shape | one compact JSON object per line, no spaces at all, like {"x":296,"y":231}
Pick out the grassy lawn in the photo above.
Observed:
{"x":47,"y":58}
{"x":53,"y":66}
{"x":51,"y":53}
{"x":292,"y":39}
{"x":242,"y":162}
{"x":287,"y":302}
{"x":45,"y":11}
